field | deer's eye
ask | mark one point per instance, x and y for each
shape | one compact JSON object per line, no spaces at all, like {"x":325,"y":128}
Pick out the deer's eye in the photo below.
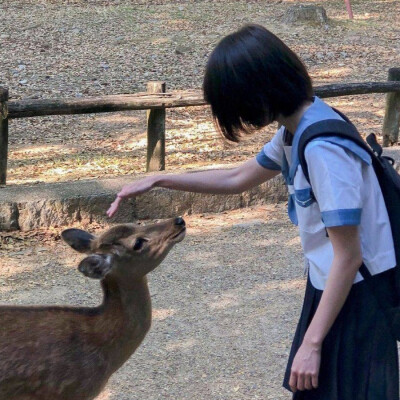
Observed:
{"x":138,"y":243}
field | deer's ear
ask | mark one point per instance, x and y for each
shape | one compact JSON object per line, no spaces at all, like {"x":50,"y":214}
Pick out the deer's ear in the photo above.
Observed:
{"x":78,"y":239}
{"x":96,"y":266}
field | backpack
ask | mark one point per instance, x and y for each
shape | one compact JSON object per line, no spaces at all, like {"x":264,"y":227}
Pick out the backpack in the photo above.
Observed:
{"x":389,"y":181}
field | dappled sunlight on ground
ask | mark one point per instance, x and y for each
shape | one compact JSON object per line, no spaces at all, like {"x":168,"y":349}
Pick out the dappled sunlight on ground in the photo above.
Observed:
{"x":334,"y":73}
{"x":161,"y":314}
{"x":190,"y":143}
{"x":170,"y":42}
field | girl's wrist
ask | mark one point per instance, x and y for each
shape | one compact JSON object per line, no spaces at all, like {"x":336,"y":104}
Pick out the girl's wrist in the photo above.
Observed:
{"x":313,"y":341}
{"x":154,"y":181}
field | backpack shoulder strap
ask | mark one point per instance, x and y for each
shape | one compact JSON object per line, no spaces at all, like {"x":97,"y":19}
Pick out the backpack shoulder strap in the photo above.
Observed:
{"x":329,"y":127}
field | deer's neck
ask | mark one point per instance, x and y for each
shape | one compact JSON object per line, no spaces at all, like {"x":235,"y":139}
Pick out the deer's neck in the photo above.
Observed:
{"x":126,"y":317}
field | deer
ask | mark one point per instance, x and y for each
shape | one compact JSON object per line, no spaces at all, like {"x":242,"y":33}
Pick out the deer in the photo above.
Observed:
{"x":69,"y":353}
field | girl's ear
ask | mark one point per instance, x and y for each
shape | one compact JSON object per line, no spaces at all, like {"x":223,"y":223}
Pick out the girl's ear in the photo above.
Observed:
{"x":78,"y":239}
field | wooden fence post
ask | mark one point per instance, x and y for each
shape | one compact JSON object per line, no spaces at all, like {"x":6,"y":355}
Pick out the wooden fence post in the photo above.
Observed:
{"x":155,"y":132}
{"x":391,"y":121}
{"x":349,"y":10}
{"x":3,"y":135}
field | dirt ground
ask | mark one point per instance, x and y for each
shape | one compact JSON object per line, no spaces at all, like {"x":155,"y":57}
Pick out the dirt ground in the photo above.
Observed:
{"x":227,"y":299}
{"x":225,"y":305}
{"x":52,"y":49}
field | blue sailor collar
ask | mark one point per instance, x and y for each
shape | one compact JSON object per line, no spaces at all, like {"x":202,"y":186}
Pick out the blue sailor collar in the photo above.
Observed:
{"x":318,"y":111}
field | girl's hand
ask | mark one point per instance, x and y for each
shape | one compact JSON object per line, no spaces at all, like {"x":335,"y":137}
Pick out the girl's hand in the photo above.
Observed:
{"x":131,"y":190}
{"x":305,"y":367}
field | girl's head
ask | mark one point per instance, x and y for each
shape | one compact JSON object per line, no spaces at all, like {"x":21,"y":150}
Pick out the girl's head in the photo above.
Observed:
{"x":251,"y":78}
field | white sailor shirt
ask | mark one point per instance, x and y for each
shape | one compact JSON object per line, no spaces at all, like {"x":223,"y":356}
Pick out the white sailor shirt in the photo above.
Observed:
{"x":344,"y":190}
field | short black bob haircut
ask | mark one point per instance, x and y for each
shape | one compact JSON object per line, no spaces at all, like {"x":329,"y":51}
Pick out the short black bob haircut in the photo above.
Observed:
{"x":252,"y":77}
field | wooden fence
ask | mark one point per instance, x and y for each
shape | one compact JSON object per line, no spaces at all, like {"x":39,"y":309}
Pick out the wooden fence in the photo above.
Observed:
{"x":156,"y":101}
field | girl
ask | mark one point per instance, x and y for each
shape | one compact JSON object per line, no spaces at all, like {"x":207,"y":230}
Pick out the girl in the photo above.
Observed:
{"x":342,"y":349}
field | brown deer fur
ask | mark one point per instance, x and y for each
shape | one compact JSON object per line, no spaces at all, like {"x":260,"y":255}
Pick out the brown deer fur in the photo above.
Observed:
{"x":67,"y":353}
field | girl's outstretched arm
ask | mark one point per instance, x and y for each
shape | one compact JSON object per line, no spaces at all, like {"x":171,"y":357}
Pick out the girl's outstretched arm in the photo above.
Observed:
{"x":224,"y":181}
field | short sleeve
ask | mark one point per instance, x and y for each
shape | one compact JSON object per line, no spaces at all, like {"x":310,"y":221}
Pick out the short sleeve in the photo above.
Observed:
{"x":336,"y":181}
{"x":271,"y":155}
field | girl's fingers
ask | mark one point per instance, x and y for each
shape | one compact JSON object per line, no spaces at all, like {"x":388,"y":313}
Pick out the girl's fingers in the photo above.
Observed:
{"x":314,"y":381}
{"x":126,"y":192}
{"x":110,"y":212}
{"x":293,"y":382}
{"x":114,"y":207}
{"x":307,"y":382}
{"x":300,"y":382}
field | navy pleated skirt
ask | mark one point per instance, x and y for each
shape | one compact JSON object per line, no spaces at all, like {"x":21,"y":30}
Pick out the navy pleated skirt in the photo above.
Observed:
{"x":359,"y":359}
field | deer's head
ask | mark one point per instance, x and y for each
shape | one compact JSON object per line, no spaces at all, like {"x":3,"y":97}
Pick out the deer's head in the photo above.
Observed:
{"x":125,"y":251}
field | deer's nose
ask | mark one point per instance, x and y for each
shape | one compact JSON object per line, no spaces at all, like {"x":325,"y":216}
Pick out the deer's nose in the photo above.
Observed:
{"x":179,"y":221}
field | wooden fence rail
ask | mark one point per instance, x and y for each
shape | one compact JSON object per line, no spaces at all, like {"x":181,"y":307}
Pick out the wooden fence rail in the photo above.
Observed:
{"x":146,"y":101}
{"x":157,"y":100}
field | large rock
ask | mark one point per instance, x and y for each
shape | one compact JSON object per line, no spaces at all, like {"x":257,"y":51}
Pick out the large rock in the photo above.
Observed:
{"x":68,"y":203}
{"x":309,"y":14}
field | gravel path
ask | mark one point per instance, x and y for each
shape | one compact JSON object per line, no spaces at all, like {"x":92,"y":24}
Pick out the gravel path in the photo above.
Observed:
{"x":226,"y":302}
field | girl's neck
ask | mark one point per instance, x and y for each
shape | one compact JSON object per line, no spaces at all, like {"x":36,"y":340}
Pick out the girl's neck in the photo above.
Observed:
{"x":292,"y":121}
